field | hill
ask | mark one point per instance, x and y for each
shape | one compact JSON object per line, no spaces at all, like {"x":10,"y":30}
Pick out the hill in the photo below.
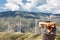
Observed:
{"x":19,"y":21}
{"x":23,"y":14}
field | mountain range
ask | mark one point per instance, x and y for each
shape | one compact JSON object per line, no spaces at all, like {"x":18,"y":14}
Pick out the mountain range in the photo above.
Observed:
{"x":23,"y":14}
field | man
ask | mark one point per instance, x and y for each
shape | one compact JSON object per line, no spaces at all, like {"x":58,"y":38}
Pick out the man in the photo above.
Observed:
{"x":48,"y":30}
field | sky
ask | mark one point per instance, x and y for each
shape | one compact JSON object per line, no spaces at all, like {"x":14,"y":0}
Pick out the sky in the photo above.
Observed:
{"x":47,"y":6}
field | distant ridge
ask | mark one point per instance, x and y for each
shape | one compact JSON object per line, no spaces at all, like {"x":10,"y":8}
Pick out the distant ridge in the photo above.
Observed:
{"x":56,"y":14}
{"x":24,"y":14}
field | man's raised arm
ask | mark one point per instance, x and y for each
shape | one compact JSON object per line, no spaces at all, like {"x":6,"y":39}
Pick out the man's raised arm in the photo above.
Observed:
{"x":41,"y":24}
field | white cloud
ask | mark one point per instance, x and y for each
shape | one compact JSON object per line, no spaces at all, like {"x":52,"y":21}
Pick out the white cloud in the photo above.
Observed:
{"x":56,"y":11}
{"x":15,"y":2}
{"x":27,"y":6}
{"x":33,"y":4}
{"x":52,"y":6}
{"x":12,"y":7}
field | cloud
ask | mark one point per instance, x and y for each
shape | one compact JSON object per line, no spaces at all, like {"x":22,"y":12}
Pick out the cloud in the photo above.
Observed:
{"x":33,"y":4}
{"x":12,"y":7}
{"x":27,"y":6}
{"x":17,"y":4}
{"x":52,"y":6}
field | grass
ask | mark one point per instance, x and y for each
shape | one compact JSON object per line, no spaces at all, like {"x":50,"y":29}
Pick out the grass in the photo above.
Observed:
{"x":58,"y":37}
{"x":21,"y":36}
{"x":18,"y":36}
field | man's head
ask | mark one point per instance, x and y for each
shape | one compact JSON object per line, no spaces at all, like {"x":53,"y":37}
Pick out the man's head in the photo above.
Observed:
{"x":47,"y":21}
